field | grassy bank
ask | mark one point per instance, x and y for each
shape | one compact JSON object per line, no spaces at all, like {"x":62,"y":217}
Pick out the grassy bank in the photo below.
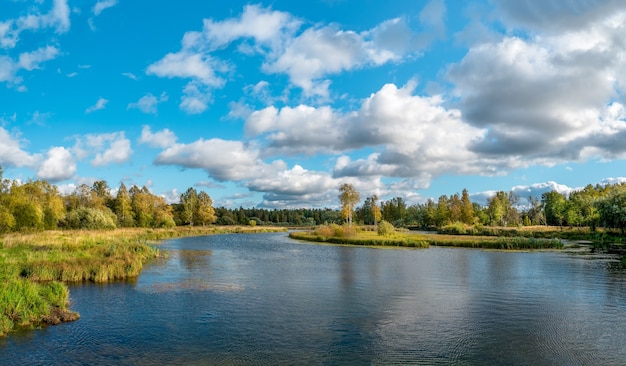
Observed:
{"x":599,"y":235}
{"x":493,"y":242}
{"x":369,"y":238}
{"x":364,"y":238}
{"x":34,"y":267}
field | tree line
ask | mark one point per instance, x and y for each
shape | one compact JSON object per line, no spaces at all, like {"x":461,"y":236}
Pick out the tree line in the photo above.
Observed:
{"x":592,"y":206}
{"x":38,"y":205}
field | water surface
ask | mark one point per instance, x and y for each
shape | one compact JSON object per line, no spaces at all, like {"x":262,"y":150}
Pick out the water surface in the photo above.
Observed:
{"x":265,"y":299}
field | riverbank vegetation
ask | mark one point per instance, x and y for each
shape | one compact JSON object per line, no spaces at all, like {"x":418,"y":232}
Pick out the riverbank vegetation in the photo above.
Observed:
{"x":346,"y":234}
{"x":35,"y":266}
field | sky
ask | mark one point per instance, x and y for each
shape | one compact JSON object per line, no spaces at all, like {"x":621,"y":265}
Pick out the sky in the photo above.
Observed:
{"x":275,"y":104}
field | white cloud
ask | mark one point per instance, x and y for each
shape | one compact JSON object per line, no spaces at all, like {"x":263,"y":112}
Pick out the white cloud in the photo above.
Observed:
{"x":58,"y":18}
{"x":303,"y":129}
{"x":294,"y":182}
{"x":148,"y":103}
{"x":59,"y":165}
{"x":307,"y":58}
{"x":195,"y":99}
{"x":118,"y":152}
{"x":100,"y":104}
{"x":415,"y":136}
{"x":31,"y":60}
{"x":130,"y":75}
{"x":265,"y":26}
{"x":102,"y":5}
{"x":223,"y":160}
{"x":548,"y":98}
{"x":8,"y":69}
{"x":107,"y":148}
{"x":161,"y":139}
{"x":186,"y":64}
{"x":11,"y":153}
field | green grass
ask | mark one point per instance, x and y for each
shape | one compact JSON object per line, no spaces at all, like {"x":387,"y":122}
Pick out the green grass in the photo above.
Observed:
{"x":600,"y":235}
{"x":363,"y":238}
{"x":34,"y":267}
{"x":359,"y":237}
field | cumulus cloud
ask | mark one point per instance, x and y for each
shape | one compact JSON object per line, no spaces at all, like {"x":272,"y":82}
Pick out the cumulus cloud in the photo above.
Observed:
{"x":416,"y":136}
{"x":546,"y":99}
{"x":58,"y":165}
{"x":223,"y":160}
{"x":188,"y":65}
{"x":11,"y":152}
{"x":148,"y":103}
{"x":118,"y":150}
{"x":294,"y":182}
{"x":308,"y":57}
{"x":161,"y":139}
{"x":195,"y":99}
{"x":106,"y":148}
{"x":319,"y":52}
{"x":263,"y":25}
{"x":555,"y":16}
{"x":302,"y":129}
{"x":100,"y":104}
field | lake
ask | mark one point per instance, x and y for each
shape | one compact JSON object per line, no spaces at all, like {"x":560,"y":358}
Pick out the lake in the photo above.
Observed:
{"x":264,"y":299}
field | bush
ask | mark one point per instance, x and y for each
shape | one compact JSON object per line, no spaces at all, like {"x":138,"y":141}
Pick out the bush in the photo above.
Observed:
{"x":385,"y":228}
{"x":459,"y":228}
{"x":252,"y":223}
{"x":90,"y":218}
{"x":226,"y":220}
{"x":336,"y":231}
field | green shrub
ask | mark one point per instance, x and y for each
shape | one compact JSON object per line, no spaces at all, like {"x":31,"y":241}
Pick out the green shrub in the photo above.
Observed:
{"x":385,"y":228}
{"x":90,"y":218}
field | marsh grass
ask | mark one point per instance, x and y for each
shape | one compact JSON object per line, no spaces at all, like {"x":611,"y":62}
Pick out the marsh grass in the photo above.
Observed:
{"x":405,"y":239}
{"x":599,"y":235}
{"x":493,"y":242}
{"x":364,"y":238}
{"x":34,"y":267}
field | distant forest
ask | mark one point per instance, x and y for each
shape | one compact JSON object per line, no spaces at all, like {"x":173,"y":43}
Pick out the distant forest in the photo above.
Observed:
{"x":38,"y":205}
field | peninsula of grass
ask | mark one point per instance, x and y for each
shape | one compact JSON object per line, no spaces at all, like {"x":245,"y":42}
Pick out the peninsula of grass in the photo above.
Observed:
{"x":35,"y":267}
{"x":356,"y":236}
{"x":362,"y":238}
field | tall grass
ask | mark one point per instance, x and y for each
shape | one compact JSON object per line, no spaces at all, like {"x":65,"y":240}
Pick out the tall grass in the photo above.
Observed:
{"x":328,"y":235}
{"x":334,"y":235}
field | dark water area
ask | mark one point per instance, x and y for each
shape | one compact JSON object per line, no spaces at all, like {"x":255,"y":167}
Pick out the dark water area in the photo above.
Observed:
{"x":264,"y":299}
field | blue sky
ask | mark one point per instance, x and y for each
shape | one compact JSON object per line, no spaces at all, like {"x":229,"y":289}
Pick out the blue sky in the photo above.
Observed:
{"x":275,"y":104}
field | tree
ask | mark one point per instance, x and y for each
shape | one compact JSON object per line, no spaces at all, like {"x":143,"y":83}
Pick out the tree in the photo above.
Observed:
{"x":142,"y":204}
{"x":554,"y":205}
{"x":204,"y":212}
{"x":456,"y":208}
{"x":375,"y":210}
{"x":467,"y":208}
{"x":348,"y":197}
{"x":123,"y":207}
{"x":612,"y":209}
{"x":442,"y":213}
{"x":189,"y":201}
